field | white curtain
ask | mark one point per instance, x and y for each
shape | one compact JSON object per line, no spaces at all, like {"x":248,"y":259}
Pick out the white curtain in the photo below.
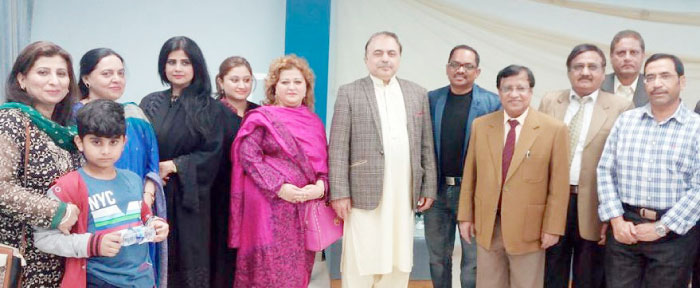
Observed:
{"x":15,"y":28}
{"x":535,"y":33}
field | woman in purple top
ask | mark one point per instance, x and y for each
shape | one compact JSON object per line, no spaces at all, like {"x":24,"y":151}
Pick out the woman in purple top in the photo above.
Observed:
{"x":279,"y":163}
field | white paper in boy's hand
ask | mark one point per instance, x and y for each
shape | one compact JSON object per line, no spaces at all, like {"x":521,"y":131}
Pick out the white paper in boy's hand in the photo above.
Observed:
{"x":138,"y":235}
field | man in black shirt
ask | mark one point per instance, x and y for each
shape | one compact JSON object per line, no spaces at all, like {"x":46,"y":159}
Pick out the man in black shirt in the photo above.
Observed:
{"x":453,"y":108}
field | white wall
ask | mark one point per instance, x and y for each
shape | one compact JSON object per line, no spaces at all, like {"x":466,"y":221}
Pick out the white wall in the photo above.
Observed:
{"x":535,"y":33}
{"x":137,"y":30}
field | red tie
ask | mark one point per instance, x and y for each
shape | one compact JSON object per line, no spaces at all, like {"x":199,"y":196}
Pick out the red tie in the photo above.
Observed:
{"x":508,"y":149}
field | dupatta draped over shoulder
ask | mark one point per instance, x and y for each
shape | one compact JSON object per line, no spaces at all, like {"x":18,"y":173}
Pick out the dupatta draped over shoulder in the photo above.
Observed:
{"x":274,"y":146}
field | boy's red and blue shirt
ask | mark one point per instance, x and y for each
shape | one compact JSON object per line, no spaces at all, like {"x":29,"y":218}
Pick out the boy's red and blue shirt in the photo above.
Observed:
{"x":107,"y":206}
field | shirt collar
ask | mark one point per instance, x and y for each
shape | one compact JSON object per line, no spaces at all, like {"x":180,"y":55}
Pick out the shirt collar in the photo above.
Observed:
{"x":618,"y":84}
{"x":681,"y":114}
{"x":380,"y":83}
{"x":573,"y":94}
{"x":521,"y":118}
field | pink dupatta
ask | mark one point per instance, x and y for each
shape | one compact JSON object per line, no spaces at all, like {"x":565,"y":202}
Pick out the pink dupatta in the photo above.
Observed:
{"x":302,"y":137}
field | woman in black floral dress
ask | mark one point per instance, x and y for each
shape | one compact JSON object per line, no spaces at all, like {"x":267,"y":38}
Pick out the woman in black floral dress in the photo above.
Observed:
{"x":40,"y":93}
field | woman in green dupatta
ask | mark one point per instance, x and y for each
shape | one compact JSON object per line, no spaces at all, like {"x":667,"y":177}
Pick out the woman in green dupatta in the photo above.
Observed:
{"x":40,"y":91}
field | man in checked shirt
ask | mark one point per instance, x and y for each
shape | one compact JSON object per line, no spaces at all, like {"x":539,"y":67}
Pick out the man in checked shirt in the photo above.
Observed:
{"x":649,"y":185}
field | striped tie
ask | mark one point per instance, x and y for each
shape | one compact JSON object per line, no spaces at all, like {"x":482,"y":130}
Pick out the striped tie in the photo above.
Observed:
{"x":575,"y":126}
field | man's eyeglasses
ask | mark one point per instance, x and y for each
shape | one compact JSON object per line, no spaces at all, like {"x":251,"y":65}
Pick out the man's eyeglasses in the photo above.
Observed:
{"x":510,"y":89}
{"x":580,"y":67}
{"x":455,"y":66}
{"x":665,"y":77}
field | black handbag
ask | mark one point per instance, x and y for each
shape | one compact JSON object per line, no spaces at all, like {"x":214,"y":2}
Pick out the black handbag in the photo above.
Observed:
{"x":11,"y":260}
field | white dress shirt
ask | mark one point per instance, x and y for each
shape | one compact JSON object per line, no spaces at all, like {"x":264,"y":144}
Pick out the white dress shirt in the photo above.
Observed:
{"x":633,"y":87}
{"x":574,"y":104}
{"x":521,"y":122}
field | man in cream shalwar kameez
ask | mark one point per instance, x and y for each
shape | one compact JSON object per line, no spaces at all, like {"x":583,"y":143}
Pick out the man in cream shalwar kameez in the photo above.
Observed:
{"x":380,"y":168}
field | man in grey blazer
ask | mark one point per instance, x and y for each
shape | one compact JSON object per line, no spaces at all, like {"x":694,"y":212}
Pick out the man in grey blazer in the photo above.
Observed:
{"x":382,"y":167}
{"x":626,"y":56}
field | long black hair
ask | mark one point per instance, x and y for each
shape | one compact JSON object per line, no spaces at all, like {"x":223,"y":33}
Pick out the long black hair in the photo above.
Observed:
{"x":196,"y":98}
{"x":88,"y":63}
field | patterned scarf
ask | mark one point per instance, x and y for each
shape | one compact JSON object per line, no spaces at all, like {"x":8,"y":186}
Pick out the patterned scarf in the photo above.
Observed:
{"x":61,"y":135}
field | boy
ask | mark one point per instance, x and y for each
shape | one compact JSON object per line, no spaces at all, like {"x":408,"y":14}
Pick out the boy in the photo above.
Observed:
{"x":109,"y":200}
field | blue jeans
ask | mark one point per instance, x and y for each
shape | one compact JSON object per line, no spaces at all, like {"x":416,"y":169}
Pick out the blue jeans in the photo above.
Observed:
{"x":440,"y":228}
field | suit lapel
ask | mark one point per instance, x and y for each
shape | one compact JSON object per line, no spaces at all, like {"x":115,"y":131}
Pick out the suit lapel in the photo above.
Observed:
{"x":600,"y":114}
{"x":563,"y":102}
{"x":411,"y":115}
{"x":437,"y":121}
{"x":608,"y":83}
{"x":528,"y":134}
{"x":640,"y":94}
{"x":495,"y":141}
{"x":368,"y":88}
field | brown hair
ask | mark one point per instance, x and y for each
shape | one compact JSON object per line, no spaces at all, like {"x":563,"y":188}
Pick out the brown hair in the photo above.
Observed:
{"x":24,"y":62}
{"x":286,"y":63}
{"x":226,"y":66}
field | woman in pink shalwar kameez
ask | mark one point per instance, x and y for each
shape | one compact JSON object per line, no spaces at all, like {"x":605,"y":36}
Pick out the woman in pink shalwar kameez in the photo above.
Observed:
{"x":280,"y":162}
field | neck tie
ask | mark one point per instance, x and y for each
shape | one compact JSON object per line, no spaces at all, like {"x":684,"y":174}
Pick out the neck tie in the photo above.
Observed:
{"x":508,"y":149}
{"x":575,"y":126}
{"x":625,"y":91}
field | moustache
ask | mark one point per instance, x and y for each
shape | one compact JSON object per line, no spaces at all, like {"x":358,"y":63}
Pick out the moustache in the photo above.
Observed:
{"x":384,"y":66}
{"x":585,"y":78}
{"x":659,"y":91}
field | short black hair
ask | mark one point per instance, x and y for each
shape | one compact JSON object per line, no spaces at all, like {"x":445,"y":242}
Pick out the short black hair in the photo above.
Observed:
{"x":465,"y":47}
{"x":513,"y":70}
{"x":102,"y":118}
{"x":626,"y":34}
{"x":582,"y":48}
{"x":676,"y":61}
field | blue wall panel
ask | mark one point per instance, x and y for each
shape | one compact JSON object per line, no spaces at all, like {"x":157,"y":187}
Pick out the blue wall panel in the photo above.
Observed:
{"x":307,"y":35}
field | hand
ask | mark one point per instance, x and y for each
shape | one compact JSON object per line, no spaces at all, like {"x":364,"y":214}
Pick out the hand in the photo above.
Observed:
{"x":149,"y":192}
{"x":624,"y":231}
{"x":424,"y":203}
{"x":646,"y":232}
{"x":467,"y":231}
{"x":314,"y":191}
{"x":162,"y":229}
{"x":342,"y":207}
{"x":603,"y":233}
{"x":69,"y":218}
{"x":111,"y":244}
{"x":548,"y":240}
{"x":166,"y":168}
{"x":290,"y":193}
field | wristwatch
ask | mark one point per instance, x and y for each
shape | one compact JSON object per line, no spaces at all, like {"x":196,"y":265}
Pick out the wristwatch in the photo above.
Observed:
{"x":660,"y":229}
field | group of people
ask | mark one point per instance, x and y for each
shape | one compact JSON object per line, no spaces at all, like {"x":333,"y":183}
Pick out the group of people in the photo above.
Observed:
{"x":586,"y":179}
{"x":80,"y":171}
{"x":600,"y":182}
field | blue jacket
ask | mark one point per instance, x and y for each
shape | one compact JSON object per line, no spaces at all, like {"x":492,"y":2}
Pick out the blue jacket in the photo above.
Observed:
{"x":483,"y":102}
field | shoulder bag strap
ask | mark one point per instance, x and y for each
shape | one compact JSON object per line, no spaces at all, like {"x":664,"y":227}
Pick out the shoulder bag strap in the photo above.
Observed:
{"x":23,"y":245}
